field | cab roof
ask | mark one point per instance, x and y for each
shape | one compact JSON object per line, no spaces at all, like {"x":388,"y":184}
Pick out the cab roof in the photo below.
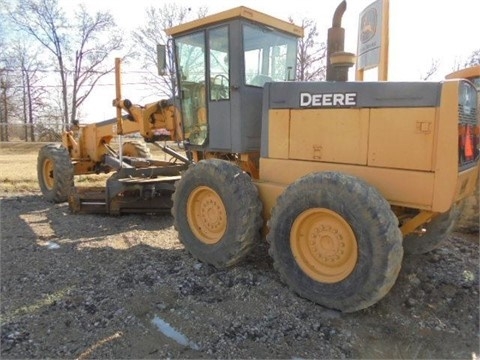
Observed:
{"x":467,"y":73}
{"x":238,"y":12}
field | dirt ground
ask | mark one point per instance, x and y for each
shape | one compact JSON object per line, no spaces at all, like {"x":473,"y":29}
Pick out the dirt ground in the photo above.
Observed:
{"x":94,"y":286}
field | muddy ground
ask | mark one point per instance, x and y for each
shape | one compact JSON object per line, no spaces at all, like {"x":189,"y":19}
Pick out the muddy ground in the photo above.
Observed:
{"x":94,"y":286}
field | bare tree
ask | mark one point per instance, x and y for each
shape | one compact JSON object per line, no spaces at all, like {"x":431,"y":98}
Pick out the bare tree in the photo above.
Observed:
{"x":7,"y":87}
{"x":46,"y":22}
{"x":311,"y":54}
{"x":3,"y":108}
{"x":4,"y":85}
{"x":152,"y":33}
{"x":432,"y":70}
{"x":7,"y":94}
{"x":473,"y":59}
{"x":92,"y":54}
{"x":80,"y":47}
{"x":27,"y":62}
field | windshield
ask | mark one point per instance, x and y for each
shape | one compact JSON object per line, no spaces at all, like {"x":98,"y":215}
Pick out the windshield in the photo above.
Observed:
{"x":269,"y":55}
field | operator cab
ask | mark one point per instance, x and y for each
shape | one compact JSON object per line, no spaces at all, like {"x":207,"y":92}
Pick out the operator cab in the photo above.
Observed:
{"x":222,"y":63}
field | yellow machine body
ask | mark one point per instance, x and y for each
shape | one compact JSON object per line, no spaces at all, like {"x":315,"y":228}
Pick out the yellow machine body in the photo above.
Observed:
{"x":409,"y":154}
{"x":88,"y":144}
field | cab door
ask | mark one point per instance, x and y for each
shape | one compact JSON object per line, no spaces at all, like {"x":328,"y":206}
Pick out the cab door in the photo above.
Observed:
{"x":219,"y":92}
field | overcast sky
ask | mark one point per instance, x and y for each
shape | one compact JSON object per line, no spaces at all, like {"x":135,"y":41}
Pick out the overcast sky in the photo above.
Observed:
{"x":420,"y":30}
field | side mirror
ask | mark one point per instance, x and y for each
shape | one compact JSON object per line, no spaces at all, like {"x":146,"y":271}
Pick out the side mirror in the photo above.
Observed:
{"x":161,"y":59}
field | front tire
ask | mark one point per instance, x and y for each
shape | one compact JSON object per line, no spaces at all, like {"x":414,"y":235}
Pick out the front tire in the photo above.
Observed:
{"x":54,"y":172}
{"x":335,"y":241}
{"x":217,"y":212}
{"x":136,"y":149}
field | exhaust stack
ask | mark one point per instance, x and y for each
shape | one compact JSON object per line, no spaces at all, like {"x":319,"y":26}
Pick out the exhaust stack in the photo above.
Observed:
{"x":338,"y":61}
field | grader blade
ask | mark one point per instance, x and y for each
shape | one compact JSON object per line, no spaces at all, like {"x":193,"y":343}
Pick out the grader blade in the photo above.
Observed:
{"x":130,"y":190}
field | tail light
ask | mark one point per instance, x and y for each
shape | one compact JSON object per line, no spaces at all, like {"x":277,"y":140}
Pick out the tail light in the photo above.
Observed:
{"x":468,"y":127}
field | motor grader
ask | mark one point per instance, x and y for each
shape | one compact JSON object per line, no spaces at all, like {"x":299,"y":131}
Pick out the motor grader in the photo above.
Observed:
{"x":339,"y":176}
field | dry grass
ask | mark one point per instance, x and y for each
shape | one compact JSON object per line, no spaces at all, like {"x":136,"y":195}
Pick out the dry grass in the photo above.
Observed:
{"x":18,"y":167}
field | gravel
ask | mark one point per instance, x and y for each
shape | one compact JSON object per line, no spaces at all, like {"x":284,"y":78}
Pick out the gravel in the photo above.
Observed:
{"x":94,"y":286}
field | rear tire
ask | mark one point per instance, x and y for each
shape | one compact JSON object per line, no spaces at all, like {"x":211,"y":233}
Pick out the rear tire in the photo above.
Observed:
{"x":434,"y":233}
{"x":54,"y":172}
{"x":335,"y":241}
{"x":217,"y":212}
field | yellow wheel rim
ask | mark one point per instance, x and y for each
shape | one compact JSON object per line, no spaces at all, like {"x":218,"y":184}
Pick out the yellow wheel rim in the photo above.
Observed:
{"x":48,"y":178}
{"x":323,"y":245}
{"x":206,"y":215}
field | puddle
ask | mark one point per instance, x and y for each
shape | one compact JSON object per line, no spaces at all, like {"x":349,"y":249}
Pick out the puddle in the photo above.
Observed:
{"x":167,"y":330}
{"x":52,"y":246}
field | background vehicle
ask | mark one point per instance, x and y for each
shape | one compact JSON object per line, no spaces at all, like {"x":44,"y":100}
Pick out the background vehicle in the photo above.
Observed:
{"x":335,"y":174}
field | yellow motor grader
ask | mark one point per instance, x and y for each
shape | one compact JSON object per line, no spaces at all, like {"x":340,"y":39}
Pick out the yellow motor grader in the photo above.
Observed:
{"x":341,"y":177}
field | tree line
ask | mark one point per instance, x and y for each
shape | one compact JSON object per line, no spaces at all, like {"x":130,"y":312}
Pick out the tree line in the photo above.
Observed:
{"x":42,"y":45}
